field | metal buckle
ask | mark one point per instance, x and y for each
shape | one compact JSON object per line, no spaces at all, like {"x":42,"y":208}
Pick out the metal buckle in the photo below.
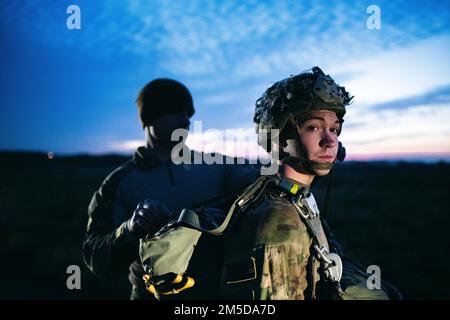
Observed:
{"x":332,"y":263}
{"x":301,"y":210}
{"x":312,"y":204}
{"x":323,"y":254}
{"x":334,"y":270}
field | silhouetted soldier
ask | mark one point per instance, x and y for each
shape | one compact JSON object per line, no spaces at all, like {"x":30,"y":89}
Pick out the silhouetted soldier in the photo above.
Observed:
{"x":120,"y":211}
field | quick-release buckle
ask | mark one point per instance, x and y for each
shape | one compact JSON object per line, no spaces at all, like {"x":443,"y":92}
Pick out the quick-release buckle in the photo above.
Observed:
{"x":306,"y":206}
{"x":332,"y":263}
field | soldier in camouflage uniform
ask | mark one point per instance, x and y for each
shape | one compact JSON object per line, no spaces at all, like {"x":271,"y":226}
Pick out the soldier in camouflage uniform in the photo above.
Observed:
{"x":273,"y":243}
{"x":276,"y":246}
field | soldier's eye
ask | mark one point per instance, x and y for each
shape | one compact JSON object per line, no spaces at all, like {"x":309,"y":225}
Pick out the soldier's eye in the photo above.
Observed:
{"x":335,"y":130}
{"x":312,"y":128}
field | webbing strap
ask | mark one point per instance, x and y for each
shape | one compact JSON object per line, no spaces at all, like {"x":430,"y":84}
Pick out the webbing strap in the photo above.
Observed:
{"x":312,"y":222}
{"x":306,"y":206}
{"x":309,"y":213}
{"x":191,"y":218}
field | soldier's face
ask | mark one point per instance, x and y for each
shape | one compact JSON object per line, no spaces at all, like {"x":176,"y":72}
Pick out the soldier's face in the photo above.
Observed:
{"x":162,"y":127}
{"x":319,"y":134}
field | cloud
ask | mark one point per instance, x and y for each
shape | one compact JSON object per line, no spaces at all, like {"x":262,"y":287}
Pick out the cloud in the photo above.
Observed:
{"x":229,"y":52}
{"x":429,"y":157}
{"x":439,"y":96}
{"x":423,"y":128}
{"x":401,"y":73}
{"x":233,"y":99}
{"x":234,"y":40}
{"x":123,"y":146}
{"x":234,"y":142}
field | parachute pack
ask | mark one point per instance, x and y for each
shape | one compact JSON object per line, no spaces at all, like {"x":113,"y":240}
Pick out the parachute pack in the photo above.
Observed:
{"x":168,"y":256}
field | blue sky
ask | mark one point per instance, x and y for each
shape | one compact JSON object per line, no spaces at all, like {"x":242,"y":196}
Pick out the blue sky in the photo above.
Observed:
{"x":71,"y":91}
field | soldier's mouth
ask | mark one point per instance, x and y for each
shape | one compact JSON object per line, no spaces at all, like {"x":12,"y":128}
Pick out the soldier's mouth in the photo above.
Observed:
{"x":327,"y":158}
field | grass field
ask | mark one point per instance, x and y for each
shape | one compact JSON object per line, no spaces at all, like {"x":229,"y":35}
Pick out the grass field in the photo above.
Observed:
{"x":391,"y":215}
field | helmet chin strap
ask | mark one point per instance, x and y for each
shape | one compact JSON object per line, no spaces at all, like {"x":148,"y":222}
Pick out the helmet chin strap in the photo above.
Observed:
{"x":303,"y":165}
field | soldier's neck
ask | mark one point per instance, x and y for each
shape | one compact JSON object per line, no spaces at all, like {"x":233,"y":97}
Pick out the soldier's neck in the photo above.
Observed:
{"x":163,"y":152}
{"x":302,"y":178}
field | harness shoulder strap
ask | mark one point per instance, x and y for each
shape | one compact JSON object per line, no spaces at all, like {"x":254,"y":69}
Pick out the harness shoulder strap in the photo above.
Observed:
{"x":191,"y":218}
{"x":308,"y":211}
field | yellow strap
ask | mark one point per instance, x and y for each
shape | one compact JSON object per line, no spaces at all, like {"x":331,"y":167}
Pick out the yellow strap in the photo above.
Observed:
{"x":189,"y":284}
{"x":178,"y":279}
{"x":294,"y":188}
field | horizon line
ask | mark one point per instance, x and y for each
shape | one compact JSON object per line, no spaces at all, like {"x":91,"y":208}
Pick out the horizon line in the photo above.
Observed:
{"x":358,"y":157}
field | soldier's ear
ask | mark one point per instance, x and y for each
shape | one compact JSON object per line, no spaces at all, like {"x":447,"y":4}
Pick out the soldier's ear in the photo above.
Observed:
{"x":289,"y":132}
{"x":341,"y":153}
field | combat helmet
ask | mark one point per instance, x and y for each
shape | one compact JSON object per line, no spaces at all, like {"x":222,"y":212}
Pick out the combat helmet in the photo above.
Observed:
{"x":276,"y":108}
{"x":162,"y":96}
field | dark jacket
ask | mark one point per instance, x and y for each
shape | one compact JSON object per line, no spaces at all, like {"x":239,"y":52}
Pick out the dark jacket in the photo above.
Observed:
{"x":108,"y":249}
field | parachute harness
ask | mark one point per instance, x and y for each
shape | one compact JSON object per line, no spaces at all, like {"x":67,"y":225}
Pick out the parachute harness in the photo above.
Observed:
{"x":307,"y":208}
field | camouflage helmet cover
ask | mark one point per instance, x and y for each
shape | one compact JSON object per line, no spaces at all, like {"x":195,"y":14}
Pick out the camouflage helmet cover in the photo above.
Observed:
{"x":307,"y":91}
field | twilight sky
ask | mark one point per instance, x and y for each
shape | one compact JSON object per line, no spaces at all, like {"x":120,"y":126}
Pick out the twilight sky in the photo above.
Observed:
{"x":73,"y":91}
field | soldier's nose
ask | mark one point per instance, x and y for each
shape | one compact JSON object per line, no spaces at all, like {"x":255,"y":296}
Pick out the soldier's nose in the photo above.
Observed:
{"x":328,"y":140}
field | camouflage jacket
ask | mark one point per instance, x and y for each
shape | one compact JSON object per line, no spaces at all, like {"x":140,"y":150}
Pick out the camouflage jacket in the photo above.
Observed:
{"x":268,"y":255}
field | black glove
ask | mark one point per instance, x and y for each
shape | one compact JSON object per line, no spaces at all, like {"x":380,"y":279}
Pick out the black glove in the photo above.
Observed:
{"x":148,"y":218}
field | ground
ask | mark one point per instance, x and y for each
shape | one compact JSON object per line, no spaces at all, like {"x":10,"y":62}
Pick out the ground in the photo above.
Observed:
{"x":393,"y":215}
